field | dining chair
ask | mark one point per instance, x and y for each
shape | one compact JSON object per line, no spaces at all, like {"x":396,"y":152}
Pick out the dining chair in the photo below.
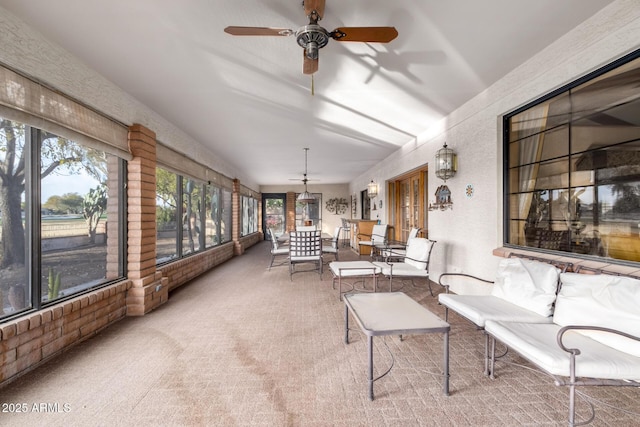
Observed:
{"x":332,"y":247}
{"x":398,"y":251}
{"x":305,"y":247}
{"x":378,"y":236}
{"x":276,"y":249}
{"x":414,"y":265}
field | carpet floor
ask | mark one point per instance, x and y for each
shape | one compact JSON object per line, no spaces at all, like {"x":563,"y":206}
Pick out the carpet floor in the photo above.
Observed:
{"x":245,"y":346}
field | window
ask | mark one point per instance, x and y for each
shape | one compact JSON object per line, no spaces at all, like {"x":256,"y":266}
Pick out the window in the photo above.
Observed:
{"x":309,"y":213}
{"x":192,"y":217}
{"x":166,"y":215}
{"x":202,"y":218}
{"x":63,"y":236}
{"x":218,"y":216}
{"x":572,"y":169}
{"x":249,"y":206}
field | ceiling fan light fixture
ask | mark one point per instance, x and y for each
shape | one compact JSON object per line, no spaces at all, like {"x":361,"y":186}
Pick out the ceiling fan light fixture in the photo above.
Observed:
{"x":312,"y":34}
{"x":305,"y":197}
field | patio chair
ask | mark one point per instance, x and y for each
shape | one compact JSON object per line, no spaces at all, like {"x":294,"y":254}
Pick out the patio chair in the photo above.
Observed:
{"x":378,"y":236}
{"x":331,"y":247}
{"x":414,"y":265}
{"x":399,"y":251}
{"x":276,"y":250}
{"x":305,"y":247}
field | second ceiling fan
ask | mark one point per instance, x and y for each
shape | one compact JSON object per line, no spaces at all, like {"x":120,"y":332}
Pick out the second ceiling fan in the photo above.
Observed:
{"x":313,"y":37}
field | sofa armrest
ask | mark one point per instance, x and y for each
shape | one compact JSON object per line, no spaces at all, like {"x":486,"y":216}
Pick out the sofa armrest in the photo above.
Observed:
{"x":469,"y":276}
{"x":576,"y":351}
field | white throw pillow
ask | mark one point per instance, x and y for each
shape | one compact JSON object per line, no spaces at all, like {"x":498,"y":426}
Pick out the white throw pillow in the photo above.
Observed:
{"x":527,"y":284}
{"x":601,"y":300}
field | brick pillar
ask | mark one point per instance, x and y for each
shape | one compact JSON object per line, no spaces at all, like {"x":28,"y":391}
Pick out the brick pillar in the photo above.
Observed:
{"x":236,"y":214}
{"x":291,"y":211}
{"x":149,"y":288}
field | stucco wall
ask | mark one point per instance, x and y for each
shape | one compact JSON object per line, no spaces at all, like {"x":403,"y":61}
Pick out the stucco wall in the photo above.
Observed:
{"x":469,"y":233}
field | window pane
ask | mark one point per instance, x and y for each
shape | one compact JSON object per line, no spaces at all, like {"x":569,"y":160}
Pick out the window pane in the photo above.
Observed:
{"x":212,"y":203}
{"x":309,"y":211}
{"x":226,"y":225}
{"x":166,"y":215}
{"x":191,"y":219}
{"x":75,"y":214}
{"x":574,"y":169}
{"x":15,"y":294}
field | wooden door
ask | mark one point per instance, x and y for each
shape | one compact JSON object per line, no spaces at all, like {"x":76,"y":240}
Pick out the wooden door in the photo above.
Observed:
{"x":410,"y":204}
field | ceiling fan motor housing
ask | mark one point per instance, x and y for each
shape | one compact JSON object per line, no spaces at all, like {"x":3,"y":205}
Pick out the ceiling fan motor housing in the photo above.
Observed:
{"x":312,"y":37}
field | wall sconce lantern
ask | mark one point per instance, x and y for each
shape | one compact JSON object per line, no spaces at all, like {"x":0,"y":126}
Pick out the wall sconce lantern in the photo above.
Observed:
{"x":372,"y":189}
{"x":446,"y":163}
{"x":446,"y":167}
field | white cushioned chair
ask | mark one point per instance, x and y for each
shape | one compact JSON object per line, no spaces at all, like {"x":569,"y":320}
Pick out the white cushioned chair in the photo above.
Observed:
{"x":277,"y":250}
{"x":415,"y":264}
{"x":398,"y":252}
{"x":331,"y":247}
{"x":378,"y":236}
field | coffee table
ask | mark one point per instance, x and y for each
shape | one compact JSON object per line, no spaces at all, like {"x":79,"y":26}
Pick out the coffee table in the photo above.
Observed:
{"x":393,"y":313}
{"x":354,"y":269}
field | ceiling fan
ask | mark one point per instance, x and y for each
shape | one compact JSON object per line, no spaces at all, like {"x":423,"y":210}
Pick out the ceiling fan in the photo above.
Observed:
{"x":313,"y":37}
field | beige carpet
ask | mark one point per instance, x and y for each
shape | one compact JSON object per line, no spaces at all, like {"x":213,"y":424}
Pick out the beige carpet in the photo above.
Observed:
{"x":243,"y":346}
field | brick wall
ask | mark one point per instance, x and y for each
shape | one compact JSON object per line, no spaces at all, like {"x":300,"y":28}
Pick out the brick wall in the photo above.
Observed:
{"x":180,"y":272}
{"x":30,"y":340}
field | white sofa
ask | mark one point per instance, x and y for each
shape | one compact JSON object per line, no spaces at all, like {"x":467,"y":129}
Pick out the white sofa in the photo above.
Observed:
{"x":524,"y":290}
{"x":593,"y":337}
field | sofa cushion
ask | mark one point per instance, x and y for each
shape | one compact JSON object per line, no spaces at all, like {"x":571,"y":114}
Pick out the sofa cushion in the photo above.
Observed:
{"x":480,"y":308}
{"x":601,"y":300}
{"x":537,"y":343}
{"x":528,"y":284}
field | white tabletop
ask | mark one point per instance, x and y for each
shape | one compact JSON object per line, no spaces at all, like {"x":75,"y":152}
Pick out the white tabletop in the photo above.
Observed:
{"x":353,"y":268}
{"x":393,"y":313}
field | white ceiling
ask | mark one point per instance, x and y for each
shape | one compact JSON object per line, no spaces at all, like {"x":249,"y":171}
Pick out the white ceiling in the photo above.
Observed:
{"x":246,"y":97}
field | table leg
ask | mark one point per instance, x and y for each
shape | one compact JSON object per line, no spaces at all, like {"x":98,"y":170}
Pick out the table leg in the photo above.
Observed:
{"x":346,"y":324}
{"x":370,"y":367}
{"x":446,"y":364}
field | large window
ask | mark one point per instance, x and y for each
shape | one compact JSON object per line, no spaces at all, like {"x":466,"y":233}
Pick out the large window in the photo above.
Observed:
{"x":309,"y":213}
{"x":573,"y":167}
{"x":249,"y":206}
{"x":61,"y":209}
{"x":188,"y":211}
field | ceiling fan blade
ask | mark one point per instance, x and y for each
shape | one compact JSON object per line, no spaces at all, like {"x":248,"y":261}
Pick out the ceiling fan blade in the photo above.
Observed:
{"x":309,"y":66}
{"x":311,"y":5}
{"x":258,"y":31}
{"x":365,"y":34}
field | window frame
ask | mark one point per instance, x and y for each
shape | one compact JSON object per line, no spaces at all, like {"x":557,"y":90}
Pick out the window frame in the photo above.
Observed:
{"x":506,"y":184}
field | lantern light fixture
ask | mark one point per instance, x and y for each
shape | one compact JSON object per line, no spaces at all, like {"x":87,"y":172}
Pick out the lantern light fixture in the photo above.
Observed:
{"x":372,"y":189}
{"x":446,"y":163}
